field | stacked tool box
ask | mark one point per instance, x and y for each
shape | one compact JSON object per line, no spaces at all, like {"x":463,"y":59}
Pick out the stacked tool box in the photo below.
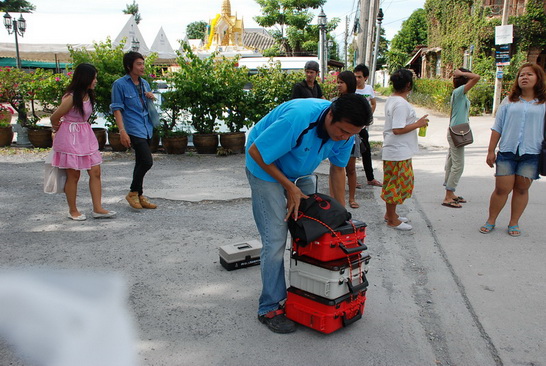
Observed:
{"x":328,"y":279}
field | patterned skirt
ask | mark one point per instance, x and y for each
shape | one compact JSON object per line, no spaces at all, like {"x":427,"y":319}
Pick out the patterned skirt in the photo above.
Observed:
{"x":397,"y":181}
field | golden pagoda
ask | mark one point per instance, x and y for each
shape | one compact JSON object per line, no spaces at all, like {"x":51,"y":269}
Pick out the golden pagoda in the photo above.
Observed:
{"x":225,"y":30}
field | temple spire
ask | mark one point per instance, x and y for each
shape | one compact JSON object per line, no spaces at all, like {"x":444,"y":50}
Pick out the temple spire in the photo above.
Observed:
{"x":226,"y":8}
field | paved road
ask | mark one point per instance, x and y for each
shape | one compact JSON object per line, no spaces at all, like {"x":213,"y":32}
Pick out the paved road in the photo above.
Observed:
{"x":443,"y":294}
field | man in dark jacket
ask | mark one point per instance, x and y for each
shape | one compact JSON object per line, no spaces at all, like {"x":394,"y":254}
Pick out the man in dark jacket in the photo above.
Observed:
{"x":308,"y":88}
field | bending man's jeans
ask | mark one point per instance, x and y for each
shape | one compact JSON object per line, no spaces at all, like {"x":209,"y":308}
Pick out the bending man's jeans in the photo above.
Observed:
{"x":269,"y":209}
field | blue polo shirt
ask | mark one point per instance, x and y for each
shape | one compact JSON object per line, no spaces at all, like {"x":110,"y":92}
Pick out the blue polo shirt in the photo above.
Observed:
{"x":292,"y":136}
{"x":125,"y":98}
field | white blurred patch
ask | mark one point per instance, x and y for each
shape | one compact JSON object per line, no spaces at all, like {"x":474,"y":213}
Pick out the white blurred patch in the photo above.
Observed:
{"x":67,"y":318}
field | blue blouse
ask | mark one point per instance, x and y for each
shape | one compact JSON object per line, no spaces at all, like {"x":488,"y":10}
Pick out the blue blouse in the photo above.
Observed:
{"x":521,"y":126}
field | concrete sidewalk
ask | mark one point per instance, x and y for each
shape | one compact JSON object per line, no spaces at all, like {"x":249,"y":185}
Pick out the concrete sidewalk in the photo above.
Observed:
{"x":443,"y":294}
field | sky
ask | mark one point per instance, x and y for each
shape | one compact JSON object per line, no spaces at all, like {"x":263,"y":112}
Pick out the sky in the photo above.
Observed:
{"x":60,"y":21}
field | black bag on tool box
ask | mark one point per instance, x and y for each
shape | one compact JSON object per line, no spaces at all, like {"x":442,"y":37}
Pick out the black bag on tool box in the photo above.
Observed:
{"x":317,"y":215}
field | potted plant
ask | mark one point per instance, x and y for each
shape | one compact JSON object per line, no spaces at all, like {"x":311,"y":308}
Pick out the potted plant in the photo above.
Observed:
{"x":199,"y":91}
{"x":173,"y":134}
{"x":238,"y":105}
{"x":6,"y":131}
{"x":13,"y":87}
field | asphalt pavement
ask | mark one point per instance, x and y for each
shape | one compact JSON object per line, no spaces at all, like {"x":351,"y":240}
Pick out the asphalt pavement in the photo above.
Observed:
{"x":442,"y":294}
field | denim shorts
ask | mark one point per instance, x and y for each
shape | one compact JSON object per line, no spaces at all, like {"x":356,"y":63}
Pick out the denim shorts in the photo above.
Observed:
{"x":509,"y":163}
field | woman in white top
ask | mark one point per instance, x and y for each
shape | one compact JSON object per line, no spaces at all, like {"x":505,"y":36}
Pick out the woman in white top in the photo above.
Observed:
{"x":399,"y":145}
{"x":518,"y":131}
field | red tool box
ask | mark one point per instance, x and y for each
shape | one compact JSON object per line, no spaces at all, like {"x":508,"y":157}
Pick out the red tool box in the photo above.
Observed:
{"x":345,"y":240}
{"x":321,"y":314}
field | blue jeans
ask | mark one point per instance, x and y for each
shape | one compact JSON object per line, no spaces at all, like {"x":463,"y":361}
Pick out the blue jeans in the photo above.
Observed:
{"x":269,"y":210}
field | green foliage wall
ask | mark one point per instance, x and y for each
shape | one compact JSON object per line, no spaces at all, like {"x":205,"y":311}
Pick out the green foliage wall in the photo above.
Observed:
{"x":454,"y":25}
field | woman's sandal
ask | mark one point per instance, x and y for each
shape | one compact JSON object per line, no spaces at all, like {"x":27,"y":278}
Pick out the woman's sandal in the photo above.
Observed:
{"x":353,"y":204}
{"x":459,"y":199}
{"x":514,"y":230}
{"x":486,"y":228}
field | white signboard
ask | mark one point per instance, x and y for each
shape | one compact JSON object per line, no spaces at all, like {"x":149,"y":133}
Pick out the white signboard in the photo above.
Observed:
{"x":504,"y":34}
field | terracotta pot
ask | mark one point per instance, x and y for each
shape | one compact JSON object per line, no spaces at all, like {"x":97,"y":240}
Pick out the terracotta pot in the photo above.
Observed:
{"x":233,"y":141}
{"x":40,"y":137}
{"x":115,"y":141}
{"x":205,"y":143}
{"x":154,"y":145}
{"x":100,"y":134}
{"x":6,"y":136}
{"x":175,"y":144}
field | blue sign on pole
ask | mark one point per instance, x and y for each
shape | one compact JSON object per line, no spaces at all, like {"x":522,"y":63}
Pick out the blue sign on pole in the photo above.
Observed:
{"x":502,"y":55}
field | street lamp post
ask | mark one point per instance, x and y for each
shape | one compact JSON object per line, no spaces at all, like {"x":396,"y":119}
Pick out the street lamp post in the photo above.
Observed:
{"x":377,"y":31}
{"x":18,"y":27}
{"x":322,"y":43}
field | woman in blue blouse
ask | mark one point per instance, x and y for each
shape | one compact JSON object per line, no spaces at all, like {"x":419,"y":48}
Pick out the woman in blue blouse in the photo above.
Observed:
{"x":518,"y":131}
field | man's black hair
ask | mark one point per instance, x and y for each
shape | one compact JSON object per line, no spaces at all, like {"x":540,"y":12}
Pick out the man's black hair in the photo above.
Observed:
{"x":129,"y":59}
{"x":400,"y":80}
{"x":352,"y":108}
{"x":363,"y":69}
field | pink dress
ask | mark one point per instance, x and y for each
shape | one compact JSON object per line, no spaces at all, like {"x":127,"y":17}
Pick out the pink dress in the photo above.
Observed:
{"x":75,"y":145}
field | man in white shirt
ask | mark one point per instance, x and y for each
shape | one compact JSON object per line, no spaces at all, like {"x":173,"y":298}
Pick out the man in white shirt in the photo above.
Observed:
{"x":362,"y":73}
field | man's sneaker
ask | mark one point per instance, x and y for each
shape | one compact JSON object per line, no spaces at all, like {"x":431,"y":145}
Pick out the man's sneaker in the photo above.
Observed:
{"x":133,"y":200}
{"x":277,"y":322}
{"x":145,"y":203}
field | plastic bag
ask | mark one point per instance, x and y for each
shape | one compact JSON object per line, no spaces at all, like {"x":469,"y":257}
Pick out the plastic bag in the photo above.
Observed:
{"x":54,"y":178}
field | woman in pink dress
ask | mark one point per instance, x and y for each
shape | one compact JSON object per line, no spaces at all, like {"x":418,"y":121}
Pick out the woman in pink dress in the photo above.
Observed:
{"x":75,"y":147}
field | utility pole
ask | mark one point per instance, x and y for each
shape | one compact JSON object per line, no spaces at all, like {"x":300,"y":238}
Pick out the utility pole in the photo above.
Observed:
{"x":346,"y":38}
{"x":362,"y":35}
{"x":498,"y":79}
{"x":373,"y":6}
{"x":376,"y":52}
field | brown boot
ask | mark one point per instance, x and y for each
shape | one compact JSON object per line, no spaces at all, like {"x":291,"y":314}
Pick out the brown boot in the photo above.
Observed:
{"x":145,"y":203}
{"x":133,"y":200}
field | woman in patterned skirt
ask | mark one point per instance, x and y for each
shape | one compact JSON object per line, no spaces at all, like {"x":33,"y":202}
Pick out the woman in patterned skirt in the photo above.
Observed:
{"x":399,"y":145}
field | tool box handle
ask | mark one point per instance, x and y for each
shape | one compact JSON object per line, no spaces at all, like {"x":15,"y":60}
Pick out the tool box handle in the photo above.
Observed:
{"x":361,"y":286}
{"x":346,"y":321}
{"x":312,"y":176}
{"x":360,"y":247}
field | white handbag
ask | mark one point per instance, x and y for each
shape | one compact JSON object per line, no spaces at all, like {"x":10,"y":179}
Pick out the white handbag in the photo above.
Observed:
{"x":54,"y":178}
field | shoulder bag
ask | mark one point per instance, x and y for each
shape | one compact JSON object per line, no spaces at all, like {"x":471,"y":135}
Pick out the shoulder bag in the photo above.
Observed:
{"x":542,"y":154}
{"x":152,"y":112}
{"x":461,"y":134}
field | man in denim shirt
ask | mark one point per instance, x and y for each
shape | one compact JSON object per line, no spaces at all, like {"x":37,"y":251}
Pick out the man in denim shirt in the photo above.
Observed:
{"x":129,"y":107}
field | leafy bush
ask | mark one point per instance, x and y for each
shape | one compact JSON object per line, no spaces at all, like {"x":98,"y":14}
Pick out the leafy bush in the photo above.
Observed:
{"x":432,"y":93}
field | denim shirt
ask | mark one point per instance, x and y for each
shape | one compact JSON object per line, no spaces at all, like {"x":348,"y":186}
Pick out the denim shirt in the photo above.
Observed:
{"x":521,"y":126}
{"x":125,"y":98}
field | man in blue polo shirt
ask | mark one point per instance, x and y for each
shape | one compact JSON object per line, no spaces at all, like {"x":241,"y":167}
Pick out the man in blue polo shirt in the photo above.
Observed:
{"x":290,"y":142}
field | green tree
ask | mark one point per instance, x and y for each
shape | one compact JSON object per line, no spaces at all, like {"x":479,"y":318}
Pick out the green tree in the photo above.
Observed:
{"x":17,"y":6}
{"x":287,"y":14}
{"x":196,"y":30}
{"x":413,"y":32}
{"x":133,"y":10}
